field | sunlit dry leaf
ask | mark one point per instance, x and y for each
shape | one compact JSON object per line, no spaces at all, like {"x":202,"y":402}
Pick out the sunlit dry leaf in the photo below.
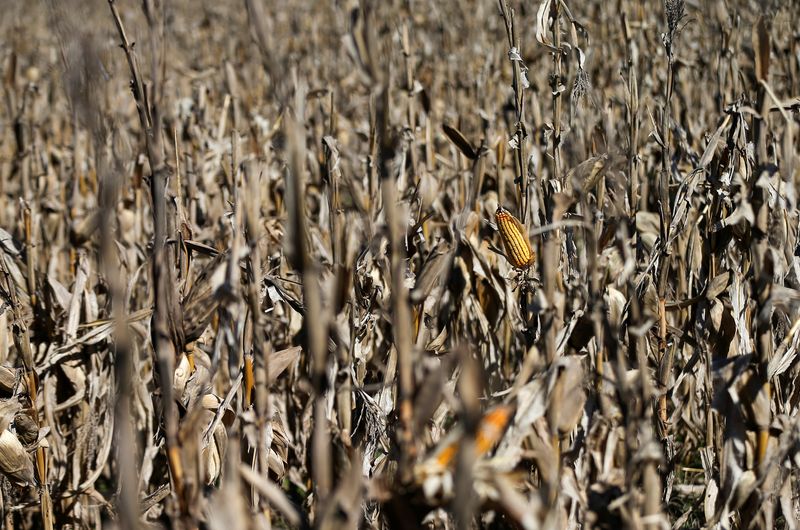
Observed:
{"x":15,"y":463}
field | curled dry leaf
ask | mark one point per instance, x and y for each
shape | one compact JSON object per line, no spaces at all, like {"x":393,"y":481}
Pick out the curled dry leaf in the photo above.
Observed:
{"x":15,"y":462}
{"x":570,"y":378}
{"x":213,"y":453}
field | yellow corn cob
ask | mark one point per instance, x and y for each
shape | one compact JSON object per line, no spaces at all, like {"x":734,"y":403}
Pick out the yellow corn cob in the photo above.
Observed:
{"x":490,"y":431}
{"x":515,"y":238}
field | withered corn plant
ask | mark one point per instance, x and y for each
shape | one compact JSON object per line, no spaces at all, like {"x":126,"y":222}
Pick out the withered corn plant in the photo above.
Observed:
{"x":399,"y":264}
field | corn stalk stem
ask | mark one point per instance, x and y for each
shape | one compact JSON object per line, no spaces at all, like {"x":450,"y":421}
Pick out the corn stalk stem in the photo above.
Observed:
{"x":165,"y":320}
{"x":519,"y":135}
{"x":665,"y":221}
{"x":556,"y":86}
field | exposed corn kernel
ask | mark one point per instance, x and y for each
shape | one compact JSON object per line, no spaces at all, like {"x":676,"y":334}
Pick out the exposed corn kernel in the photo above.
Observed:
{"x":490,"y":431}
{"x":515,"y":239}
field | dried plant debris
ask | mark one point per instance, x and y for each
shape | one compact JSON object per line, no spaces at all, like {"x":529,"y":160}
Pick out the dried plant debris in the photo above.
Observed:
{"x":400,"y":264}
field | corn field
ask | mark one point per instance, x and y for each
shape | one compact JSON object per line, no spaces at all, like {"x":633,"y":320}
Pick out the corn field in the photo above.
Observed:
{"x":400,"y":264}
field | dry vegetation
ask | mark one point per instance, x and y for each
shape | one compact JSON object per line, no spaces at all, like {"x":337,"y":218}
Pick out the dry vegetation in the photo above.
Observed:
{"x":251,"y":273}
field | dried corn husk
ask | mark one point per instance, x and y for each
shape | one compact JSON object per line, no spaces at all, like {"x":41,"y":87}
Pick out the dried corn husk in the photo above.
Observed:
{"x":15,"y":462}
